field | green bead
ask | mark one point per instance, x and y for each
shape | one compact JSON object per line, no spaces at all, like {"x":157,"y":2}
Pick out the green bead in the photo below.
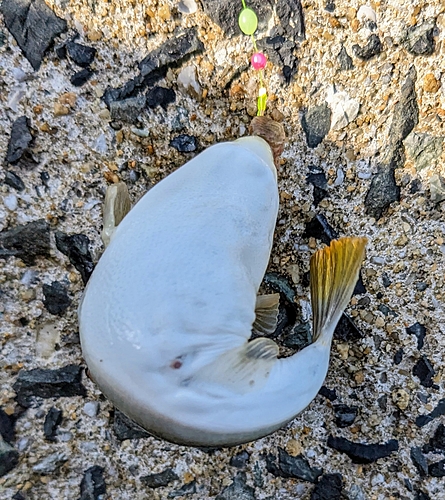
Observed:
{"x":248,"y":22}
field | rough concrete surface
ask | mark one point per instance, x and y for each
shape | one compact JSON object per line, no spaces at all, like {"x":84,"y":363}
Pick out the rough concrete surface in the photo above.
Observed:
{"x":360,"y":90}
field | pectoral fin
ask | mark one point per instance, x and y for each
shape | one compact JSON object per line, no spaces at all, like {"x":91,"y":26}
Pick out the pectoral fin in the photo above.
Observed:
{"x":334,"y":273}
{"x":266,"y":314}
{"x":243,"y":369}
{"x":116,"y":206}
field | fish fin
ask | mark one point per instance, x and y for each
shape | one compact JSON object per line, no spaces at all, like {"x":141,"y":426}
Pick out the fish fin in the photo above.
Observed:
{"x":333,"y":274}
{"x":266,"y":314}
{"x":243,"y":369}
{"x":116,"y":206}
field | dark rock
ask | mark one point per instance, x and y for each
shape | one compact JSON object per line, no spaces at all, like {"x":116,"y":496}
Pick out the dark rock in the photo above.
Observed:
{"x":419,"y":39}
{"x":281,"y":52}
{"x":34,"y":26}
{"x":61,"y":51}
{"x":316,"y":123}
{"x":56,"y":299}
{"x":290,"y":14}
{"x":363,"y":453}
{"x":320,"y":229}
{"x":345,"y":415}
{"x":225,"y":14}
{"x":128,"y":110}
{"x":386,"y":281}
{"x":408,"y":484}
{"x":14,"y":181}
{"x":82,"y":55}
{"x":125,"y":428}
{"x":437,"y":469}
{"x":371,"y":49}
{"x":9,"y":458}
{"x":81,"y":77}
{"x":19,"y":141}
{"x":329,"y":6}
{"x":383,"y":402}
{"x":280,"y":284}
{"x":319,"y":195}
{"x":415,"y":186}
{"x":238,"y":490}
{"x":75,"y":247}
{"x":43,"y":383}
{"x":386,"y":310}
{"x":359,"y":288}
{"x":18,"y":496}
{"x":184,"y":490}
{"x":345,"y":59}
{"x":288,"y":466}
{"x":329,"y":487}
{"x":240,"y":460}
{"x":398,"y":356}
{"x":7,"y":423}
{"x":317,"y":178}
{"x":419,"y":331}
{"x":298,"y":337}
{"x":437,"y":412}
{"x":26,"y":241}
{"x":419,"y":460}
{"x":160,"y":479}
{"x":382,"y":192}
{"x":160,"y":96}
{"x":44,"y":177}
{"x":329,"y":394}
{"x":424,"y":370}
{"x":424,"y":398}
{"x":154,"y":67}
{"x":52,"y":420}
{"x":436,"y":443}
{"x":406,"y":112}
{"x":92,"y":486}
{"x":420,"y":495}
{"x":184,"y":143}
{"x":346,"y":330}
{"x":364,"y":302}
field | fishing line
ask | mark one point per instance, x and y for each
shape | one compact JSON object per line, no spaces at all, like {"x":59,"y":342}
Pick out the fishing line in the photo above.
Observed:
{"x":248,"y":23}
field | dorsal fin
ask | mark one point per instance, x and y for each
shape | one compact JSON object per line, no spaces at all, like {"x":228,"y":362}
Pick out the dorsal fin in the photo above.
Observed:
{"x":243,"y":369}
{"x":266,"y":314}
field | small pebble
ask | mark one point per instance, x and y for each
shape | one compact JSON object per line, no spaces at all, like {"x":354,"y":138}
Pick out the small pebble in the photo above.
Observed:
{"x":50,"y":463}
{"x":366,"y":13}
{"x":401,"y":398}
{"x":10,"y":202}
{"x":431,"y":83}
{"x":187,"y":6}
{"x":91,"y":408}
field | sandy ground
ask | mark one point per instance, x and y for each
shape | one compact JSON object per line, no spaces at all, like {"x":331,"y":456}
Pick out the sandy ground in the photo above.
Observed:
{"x":403,"y":272}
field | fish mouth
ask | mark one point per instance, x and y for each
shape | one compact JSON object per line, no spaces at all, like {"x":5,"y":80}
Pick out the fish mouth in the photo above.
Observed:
{"x":272,"y":132}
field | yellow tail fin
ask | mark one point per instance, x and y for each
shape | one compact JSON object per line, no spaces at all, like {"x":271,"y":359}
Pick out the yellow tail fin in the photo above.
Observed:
{"x":333,"y":275}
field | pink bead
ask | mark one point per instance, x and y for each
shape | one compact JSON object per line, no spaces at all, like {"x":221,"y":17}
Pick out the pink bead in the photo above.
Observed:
{"x":258,"y":60}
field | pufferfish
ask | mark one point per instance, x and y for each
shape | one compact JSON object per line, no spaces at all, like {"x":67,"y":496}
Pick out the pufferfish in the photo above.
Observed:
{"x":168,"y":312}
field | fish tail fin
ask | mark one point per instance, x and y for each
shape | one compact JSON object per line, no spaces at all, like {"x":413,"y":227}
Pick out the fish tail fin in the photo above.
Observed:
{"x":333,"y":274}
